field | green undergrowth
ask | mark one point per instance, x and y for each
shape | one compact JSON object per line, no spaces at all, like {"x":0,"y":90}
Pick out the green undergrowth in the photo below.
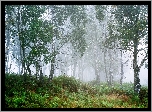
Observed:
{"x":67,"y":92}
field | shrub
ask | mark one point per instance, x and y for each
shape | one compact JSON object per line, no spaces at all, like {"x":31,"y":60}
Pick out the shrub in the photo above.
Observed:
{"x":67,"y":92}
{"x":65,"y":82}
{"x":143,"y":95}
{"x":88,"y":89}
{"x":38,"y":99}
{"x":16,"y":101}
{"x":13,"y":83}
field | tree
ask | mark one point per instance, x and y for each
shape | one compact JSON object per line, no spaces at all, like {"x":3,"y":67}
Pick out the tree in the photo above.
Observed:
{"x":131,"y":31}
{"x":41,"y":35}
{"x":9,"y":22}
{"x":60,"y":14}
{"x":133,"y":28}
{"x":107,"y":44}
{"x":30,"y":35}
{"x":77,"y":36}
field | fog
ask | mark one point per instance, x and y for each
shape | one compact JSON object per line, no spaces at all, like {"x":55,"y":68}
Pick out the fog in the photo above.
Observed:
{"x":83,"y":68}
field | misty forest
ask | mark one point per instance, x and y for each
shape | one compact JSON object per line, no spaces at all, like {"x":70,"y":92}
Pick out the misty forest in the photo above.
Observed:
{"x":76,"y":56}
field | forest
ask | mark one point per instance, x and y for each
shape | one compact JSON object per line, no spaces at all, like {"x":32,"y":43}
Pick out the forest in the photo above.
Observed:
{"x":76,"y":56}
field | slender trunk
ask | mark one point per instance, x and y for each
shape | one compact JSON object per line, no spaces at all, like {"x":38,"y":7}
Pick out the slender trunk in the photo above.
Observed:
{"x":37,"y":71}
{"x":7,"y":48}
{"x":52,"y":63}
{"x":136,"y":68}
{"x":110,"y":81}
{"x":19,"y":66}
{"x":79,"y":70}
{"x":110,"y":78}
{"x":10,"y":68}
{"x":55,"y":34}
{"x":52,"y":69}
{"x":21,"y":59}
{"x":74,"y":68}
{"x":105,"y":66}
{"x":96,"y":74}
{"x":28,"y":68}
{"x":121,"y":71}
{"x":121,"y":74}
{"x":6,"y":61}
{"x":80,"y":75}
{"x":23,"y":49}
{"x":22,"y":46}
{"x":66,"y":66}
{"x":18,"y":28}
{"x":41,"y":76}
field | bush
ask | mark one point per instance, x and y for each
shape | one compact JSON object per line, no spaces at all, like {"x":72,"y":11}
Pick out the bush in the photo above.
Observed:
{"x":143,"y":95}
{"x":88,"y":89}
{"x":13,"y":83}
{"x":67,"y":92}
{"x":65,"y":82}
{"x":37,"y":100}
{"x":16,"y":101}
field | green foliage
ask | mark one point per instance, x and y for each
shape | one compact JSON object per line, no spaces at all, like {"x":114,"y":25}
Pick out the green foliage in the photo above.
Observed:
{"x":78,"y":20}
{"x":131,"y":26}
{"x":130,"y":29}
{"x":17,"y":101}
{"x":77,"y":40}
{"x":67,"y":92}
{"x":35,"y":98}
{"x":65,"y":82}
{"x":78,"y":15}
{"x":13,"y":83}
{"x":143,"y":96}
{"x":88,"y":89}
{"x":99,"y":12}
{"x":30,"y":31}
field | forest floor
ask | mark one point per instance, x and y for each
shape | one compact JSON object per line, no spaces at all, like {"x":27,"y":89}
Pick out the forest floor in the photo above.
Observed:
{"x":67,"y":92}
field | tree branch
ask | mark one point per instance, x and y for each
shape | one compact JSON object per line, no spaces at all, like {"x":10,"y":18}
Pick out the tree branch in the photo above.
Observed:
{"x":142,"y":62}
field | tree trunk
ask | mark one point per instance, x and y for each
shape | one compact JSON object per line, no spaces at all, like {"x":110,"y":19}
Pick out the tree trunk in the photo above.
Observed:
{"x":52,"y":63}
{"x":105,"y":66}
{"x":97,"y":75}
{"x":136,"y":68}
{"x":80,"y":73}
{"x":74,"y":68}
{"x":121,"y":74}
{"x":28,"y":69}
{"x":52,"y":69}
{"x":121,"y":71}
{"x":98,"y":78}
{"x":7,"y":48}
{"x":22,"y":46}
{"x":41,"y":76}
{"x":110,"y":78}
{"x":37,"y":70}
{"x":110,"y":81}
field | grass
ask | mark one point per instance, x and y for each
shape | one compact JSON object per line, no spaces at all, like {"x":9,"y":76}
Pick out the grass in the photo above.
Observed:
{"x":67,"y":92}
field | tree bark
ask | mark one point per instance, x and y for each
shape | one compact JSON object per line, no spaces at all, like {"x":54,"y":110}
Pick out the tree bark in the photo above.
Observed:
{"x":7,"y":47}
{"x":122,"y":73}
{"x":41,"y":76}
{"x":74,"y":68}
{"x":136,"y":68}
{"x":105,"y":66}
{"x":52,"y":63}
{"x":110,"y":81}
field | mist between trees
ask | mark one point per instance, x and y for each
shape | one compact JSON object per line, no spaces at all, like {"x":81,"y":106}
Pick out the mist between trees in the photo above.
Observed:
{"x":89,"y":42}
